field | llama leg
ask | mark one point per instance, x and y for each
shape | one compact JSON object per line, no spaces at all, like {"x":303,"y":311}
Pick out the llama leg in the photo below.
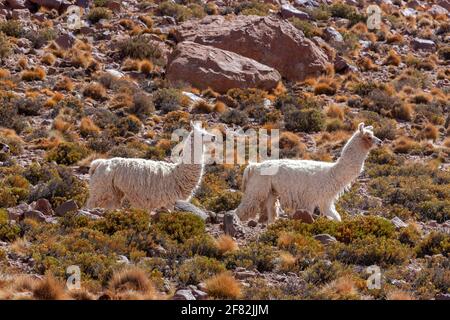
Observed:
{"x":254,"y":199}
{"x":270,"y":208}
{"x":332,"y":213}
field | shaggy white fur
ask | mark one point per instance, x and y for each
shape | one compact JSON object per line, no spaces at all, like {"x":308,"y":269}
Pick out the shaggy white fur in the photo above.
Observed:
{"x":148,"y":184}
{"x":304,"y":184}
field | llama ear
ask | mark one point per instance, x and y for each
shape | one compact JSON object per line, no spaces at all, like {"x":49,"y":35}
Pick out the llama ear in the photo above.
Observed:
{"x":361,"y":127}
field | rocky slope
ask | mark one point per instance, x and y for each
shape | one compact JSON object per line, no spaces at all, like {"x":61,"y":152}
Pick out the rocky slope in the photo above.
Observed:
{"x":85,"y":79}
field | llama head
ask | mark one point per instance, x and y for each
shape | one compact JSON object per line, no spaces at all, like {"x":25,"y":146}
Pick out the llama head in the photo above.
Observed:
{"x":4,"y":148}
{"x":194,"y":144}
{"x":366,"y":137}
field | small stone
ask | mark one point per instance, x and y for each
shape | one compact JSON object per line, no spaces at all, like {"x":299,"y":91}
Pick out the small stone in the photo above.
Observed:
{"x":252,"y":223}
{"x":184,"y":295}
{"x":230,"y":223}
{"x":200,"y":295}
{"x":423,"y":44}
{"x":123,"y":260}
{"x":303,"y":216}
{"x":65,"y":41}
{"x":442,"y":296}
{"x":398,"y":223}
{"x":66,"y":207}
{"x":189,"y":207}
{"x":245,"y":275}
{"x":325,"y":238}
{"x":289,"y":11}
{"x":44,"y":206}
{"x":34,"y":215}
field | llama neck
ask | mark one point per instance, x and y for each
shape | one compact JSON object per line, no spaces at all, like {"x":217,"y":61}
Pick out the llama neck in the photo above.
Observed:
{"x":350,"y":164}
{"x":188,"y":177}
{"x":189,"y":171}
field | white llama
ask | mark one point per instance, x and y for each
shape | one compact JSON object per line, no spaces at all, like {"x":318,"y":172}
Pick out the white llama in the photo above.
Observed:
{"x":304,"y":184}
{"x":148,"y":184}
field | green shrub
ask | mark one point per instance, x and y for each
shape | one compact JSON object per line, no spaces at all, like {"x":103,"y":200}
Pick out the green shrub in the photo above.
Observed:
{"x":252,"y":8}
{"x":307,"y":27}
{"x":323,"y":271}
{"x":256,"y":255}
{"x":178,"y":12}
{"x":180,"y":226}
{"x":98,"y":13}
{"x":167,"y":99}
{"x":304,"y":120}
{"x":118,"y":220}
{"x":225,"y":201}
{"x":67,"y":153}
{"x":369,"y":251}
{"x":234,"y":116}
{"x":202,"y":245}
{"x":139,"y":47}
{"x":198,"y":269}
{"x":9,"y":231}
{"x":341,"y":10}
{"x":12,"y":28}
{"x":434,"y":243}
{"x":56,"y":184}
{"x":5,"y":46}
{"x":41,"y":37}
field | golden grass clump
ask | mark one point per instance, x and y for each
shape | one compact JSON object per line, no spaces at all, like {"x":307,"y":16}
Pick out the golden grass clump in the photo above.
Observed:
{"x":33,"y":74}
{"x":49,"y":288}
{"x":335,"y":111}
{"x":202,"y":107}
{"x":134,"y":281}
{"x":223,"y":286}
{"x":95,"y":91}
{"x":430,"y":132}
{"x":226,"y":244}
{"x":146,"y":66}
{"x":287,"y":261}
{"x":88,"y":127}
{"x":64,"y":84}
{"x":327,"y":86}
{"x":393,"y":58}
{"x":220,"y":107}
{"x":404,"y":145}
{"x":130,"y":65}
{"x":48,"y":59}
{"x":397,"y":294}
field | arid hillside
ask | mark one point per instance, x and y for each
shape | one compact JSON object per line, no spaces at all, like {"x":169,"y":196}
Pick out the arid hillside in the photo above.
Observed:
{"x":84,"y":80}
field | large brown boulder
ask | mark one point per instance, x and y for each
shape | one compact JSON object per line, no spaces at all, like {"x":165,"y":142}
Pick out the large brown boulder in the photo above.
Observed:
{"x":205,"y":66}
{"x":268,"y":40}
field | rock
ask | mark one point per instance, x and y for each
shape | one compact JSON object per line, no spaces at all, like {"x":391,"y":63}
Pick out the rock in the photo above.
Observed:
{"x":408,"y":12}
{"x":289,"y":11}
{"x":442,"y":296}
{"x":437,"y":10}
{"x":303,"y":216}
{"x":325,"y":238}
{"x":65,"y":41}
{"x":333,"y":36}
{"x":16,"y":213}
{"x":189,"y":207}
{"x":398,"y":223}
{"x":21,"y":14}
{"x":83,"y":3}
{"x":51,"y":4}
{"x":66,"y":207}
{"x":44,"y":206}
{"x":241,"y":275}
{"x":34,"y":215}
{"x":16,"y":4}
{"x":200,"y":295}
{"x":202,"y":286}
{"x":184,"y":295}
{"x":231,"y":225}
{"x":84,"y":213}
{"x":123,"y":259}
{"x":208,"y":67}
{"x":114,"y":6}
{"x":423,"y":44}
{"x":193,"y":97}
{"x":268,"y":40}
{"x":341,"y":65}
{"x":444,"y":3}
{"x":252,"y":223}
